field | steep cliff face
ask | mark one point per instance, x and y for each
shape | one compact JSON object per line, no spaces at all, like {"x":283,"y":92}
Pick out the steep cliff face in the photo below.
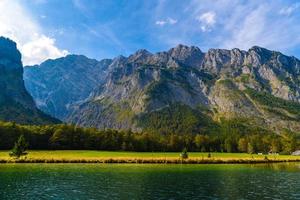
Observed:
{"x":179,"y":90}
{"x":219,"y":84}
{"x":15,"y":102}
{"x":56,"y":85}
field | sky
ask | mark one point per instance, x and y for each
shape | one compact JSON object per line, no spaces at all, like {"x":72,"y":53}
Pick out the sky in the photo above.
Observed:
{"x":45,"y":29}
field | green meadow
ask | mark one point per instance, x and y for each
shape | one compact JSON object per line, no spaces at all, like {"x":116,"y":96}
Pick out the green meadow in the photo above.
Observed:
{"x":116,"y":156}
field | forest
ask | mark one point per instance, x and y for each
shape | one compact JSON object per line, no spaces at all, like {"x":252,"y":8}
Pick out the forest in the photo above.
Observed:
{"x":71,"y":137}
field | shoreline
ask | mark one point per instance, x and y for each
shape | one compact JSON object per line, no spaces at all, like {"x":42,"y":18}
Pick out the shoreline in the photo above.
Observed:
{"x":151,"y":161}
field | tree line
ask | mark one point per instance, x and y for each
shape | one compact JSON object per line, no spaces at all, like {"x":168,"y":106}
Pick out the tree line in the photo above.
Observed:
{"x":71,"y":137}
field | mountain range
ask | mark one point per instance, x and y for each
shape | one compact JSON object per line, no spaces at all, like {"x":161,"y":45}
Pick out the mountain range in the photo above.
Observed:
{"x":182,"y":90}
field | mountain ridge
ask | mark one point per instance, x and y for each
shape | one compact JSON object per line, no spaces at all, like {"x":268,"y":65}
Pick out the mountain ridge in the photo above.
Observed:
{"x":219,"y":80}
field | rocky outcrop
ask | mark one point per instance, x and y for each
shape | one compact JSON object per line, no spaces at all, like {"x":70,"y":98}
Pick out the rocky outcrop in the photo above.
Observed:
{"x":15,"y":102}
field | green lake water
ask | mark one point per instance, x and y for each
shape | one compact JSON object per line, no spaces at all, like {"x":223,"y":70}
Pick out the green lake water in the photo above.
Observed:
{"x":126,"y":181}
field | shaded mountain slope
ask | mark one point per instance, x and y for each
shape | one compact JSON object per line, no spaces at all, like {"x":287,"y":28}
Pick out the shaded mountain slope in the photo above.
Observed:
{"x":15,"y":102}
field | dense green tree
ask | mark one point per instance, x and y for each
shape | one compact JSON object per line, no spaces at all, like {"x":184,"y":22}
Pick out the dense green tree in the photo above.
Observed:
{"x":275,"y":145}
{"x":230,"y":144}
{"x":202,"y":142}
{"x":71,"y":137}
{"x":243,"y":145}
{"x":19,"y":148}
{"x":250,"y":148}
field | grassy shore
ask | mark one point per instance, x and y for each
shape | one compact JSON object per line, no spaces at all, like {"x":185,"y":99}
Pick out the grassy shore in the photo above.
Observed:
{"x":76,"y":156}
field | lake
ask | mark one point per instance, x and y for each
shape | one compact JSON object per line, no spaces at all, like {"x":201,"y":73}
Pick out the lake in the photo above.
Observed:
{"x":129,"y":181}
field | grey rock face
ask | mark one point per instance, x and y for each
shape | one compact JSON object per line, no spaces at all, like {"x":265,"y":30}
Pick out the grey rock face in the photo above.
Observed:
{"x":150,"y":82}
{"x":56,"y":85}
{"x":15,"y":102}
{"x":141,"y":56}
{"x":219,"y":81}
{"x":190,"y":56}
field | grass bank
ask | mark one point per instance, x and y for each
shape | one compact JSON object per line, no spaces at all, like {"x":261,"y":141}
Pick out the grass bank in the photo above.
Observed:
{"x":76,"y":156}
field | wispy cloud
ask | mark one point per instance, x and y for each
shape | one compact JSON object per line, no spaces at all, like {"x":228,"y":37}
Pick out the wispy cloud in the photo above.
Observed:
{"x":248,"y":32}
{"x":168,"y":21}
{"x":82,"y":7}
{"x":105,"y":33}
{"x":207,"y":20}
{"x":259,"y":25}
{"x":17,"y":24}
{"x":289,"y":9}
{"x":237,"y":24}
{"x":120,"y":28}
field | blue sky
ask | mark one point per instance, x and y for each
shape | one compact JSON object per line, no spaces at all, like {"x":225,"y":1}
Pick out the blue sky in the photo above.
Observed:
{"x":105,"y":28}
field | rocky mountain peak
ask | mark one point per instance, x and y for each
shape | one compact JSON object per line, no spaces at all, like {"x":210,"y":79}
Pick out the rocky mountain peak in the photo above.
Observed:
{"x":215,"y":59}
{"x":142,"y":52}
{"x":8,"y":49}
{"x":259,"y":49}
{"x":106,"y":61}
{"x":259,"y":55}
{"x":190,"y":56}
{"x":71,"y":58}
{"x":180,"y":48}
{"x":118,"y":61}
{"x":140,"y":56}
{"x":76,"y":57}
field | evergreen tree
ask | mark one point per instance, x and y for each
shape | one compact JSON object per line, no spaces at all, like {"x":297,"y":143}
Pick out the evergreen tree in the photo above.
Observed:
{"x":20,"y":148}
{"x":184,"y":154}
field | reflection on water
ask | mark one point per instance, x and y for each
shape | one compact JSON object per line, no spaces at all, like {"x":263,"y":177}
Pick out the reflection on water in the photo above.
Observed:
{"x":292,"y":167}
{"x":92,"y":181}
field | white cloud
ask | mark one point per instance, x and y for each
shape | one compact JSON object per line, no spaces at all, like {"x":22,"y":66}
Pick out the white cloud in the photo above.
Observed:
{"x":289,"y":10}
{"x":160,"y":22}
{"x":17,"y":24}
{"x":207,"y":20}
{"x":172,"y":21}
{"x":169,"y":21}
{"x":259,"y":25}
{"x":41,"y":49}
